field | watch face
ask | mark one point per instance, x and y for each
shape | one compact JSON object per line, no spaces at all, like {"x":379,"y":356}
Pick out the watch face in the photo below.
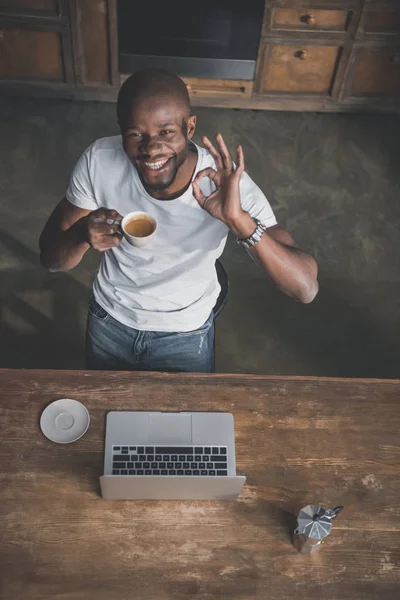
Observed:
{"x":255,"y":237}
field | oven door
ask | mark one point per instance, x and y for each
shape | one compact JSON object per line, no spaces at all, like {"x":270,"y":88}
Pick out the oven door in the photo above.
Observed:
{"x":214,"y":38}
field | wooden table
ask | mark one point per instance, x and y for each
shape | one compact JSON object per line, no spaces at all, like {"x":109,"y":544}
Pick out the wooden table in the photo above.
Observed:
{"x":298,"y":440}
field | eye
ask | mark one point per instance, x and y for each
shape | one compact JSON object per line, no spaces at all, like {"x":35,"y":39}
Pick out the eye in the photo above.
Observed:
{"x":166,"y":132}
{"x":134,"y":134}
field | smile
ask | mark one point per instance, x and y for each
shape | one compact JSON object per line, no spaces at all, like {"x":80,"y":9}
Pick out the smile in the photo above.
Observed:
{"x":155,"y":166}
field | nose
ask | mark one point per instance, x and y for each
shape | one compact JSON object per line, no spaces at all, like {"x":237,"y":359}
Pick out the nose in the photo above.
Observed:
{"x":149,"y":145}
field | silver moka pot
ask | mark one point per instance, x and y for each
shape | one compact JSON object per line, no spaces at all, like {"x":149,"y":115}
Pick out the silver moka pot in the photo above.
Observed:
{"x":314,"y":523}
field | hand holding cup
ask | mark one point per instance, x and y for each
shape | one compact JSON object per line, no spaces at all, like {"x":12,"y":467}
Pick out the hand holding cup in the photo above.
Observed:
{"x":103,"y":229}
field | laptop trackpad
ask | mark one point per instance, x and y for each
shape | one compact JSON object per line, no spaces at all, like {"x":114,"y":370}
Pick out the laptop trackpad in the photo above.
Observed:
{"x":170,"y":429}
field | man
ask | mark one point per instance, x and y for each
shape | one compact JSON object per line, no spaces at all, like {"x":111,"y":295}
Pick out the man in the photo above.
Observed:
{"x":152,"y":307}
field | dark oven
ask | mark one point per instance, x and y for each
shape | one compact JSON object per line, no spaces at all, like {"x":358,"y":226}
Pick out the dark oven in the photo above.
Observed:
{"x":211,"y":38}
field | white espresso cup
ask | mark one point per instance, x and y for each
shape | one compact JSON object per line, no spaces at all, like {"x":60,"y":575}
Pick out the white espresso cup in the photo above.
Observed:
{"x":139,"y":228}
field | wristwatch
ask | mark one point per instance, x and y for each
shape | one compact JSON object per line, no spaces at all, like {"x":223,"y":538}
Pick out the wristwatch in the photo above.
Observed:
{"x":255,"y":236}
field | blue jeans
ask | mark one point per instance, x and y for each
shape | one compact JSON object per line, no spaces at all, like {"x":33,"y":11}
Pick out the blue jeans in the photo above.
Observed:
{"x":113,"y":346}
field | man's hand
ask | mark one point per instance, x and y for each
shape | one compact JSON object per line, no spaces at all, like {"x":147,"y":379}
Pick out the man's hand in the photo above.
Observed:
{"x":103,"y":229}
{"x":224,"y":202}
{"x":71,"y":231}
{"x":292,"y":270}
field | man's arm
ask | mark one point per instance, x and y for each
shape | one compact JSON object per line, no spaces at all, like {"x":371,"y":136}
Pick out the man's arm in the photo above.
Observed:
{"x":71,"y":231}
{"x":293,"y":270}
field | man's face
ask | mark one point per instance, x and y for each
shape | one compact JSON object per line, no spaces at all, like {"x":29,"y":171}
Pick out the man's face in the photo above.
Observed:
{"x":155,"y":136}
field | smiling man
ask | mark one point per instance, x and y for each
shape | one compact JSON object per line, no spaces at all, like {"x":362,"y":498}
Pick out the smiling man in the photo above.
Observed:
{"x":152,"y":307}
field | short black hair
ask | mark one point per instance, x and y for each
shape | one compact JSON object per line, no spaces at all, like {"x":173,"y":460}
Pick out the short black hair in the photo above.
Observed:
{"x":150,"y":83}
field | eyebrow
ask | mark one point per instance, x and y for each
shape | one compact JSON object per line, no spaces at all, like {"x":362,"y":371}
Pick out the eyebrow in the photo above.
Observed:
{"x":167,"y":124}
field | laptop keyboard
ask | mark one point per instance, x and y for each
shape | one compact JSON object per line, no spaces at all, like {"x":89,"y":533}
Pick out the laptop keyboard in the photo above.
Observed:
{"x":207,"y":461}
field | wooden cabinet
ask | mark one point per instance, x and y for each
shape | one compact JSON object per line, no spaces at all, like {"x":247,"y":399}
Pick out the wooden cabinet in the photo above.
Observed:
{"x":31,"y":54}
{"x":298,"y":68}
{"x":303,"y":52}
{"x":218,"y":88}
{"x":381,"y":21}
{"x":94,"y":36}
{"x":313,"y":54}
{"x":375,"y":72}
{"x":314,"y":19}
{"x":330,"y":55}
{"x":35,"y":46}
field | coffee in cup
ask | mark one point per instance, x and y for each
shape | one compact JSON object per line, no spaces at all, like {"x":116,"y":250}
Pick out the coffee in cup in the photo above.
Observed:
{"x":139,"y":228}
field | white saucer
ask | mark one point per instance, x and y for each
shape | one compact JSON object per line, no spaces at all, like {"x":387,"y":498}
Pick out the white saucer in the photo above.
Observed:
{"x":64,"y":421}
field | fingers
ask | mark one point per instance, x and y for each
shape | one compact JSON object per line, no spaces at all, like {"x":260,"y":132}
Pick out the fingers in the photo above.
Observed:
{"x":105,"y":221}
{"x":113,"y":214}
{"x":198,"y":194}
{"x":105,"y":243}
{"x":201,"y":198}
{"x":208,"y":172}
{"x":239,"y":161}
{"x":106,"y":215}
{"x":222,"y":156}
{"x":226,"y":157}
{"x":104,"y":229}
{"x":214,"y":153}
{"x":102,"y":243}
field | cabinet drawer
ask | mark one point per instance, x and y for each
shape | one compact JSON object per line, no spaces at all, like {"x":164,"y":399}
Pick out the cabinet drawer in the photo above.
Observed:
{"x":31,"y":54}
{"x":218,"y":88}
{"x":301,"y":69}
{"x":376,"y":71}
{"x":381,"y":21}
{"x":313,"y":20}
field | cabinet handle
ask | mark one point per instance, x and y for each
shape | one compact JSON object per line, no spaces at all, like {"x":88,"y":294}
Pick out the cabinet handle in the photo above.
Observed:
{"x":395,"y":59}
{"x":301,"y":54}
{"x":308,"y":19}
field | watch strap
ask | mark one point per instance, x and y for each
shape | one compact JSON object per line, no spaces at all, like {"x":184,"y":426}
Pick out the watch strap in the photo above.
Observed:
{"x":255,"y":237}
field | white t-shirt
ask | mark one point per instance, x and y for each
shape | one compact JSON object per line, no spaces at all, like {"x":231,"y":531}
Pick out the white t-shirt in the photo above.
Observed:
{"x":170,"y":284}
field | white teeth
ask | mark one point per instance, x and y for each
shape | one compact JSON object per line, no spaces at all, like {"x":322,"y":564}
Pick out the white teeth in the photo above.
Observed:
{"x":156,"y":165}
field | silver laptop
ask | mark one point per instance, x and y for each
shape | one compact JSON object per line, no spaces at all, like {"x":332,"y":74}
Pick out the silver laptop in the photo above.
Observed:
{"x":170,"y":456}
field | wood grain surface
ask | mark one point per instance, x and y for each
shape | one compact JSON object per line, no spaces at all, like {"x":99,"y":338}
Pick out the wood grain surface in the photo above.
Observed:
{"x":299,"y":68}
{"x":376,"y":70}
{"x":298,"y":440}
{"x":381,"y":21}
{"x":31,"y":54}
{"x":313,"y":19}
{"x":90,"y":35}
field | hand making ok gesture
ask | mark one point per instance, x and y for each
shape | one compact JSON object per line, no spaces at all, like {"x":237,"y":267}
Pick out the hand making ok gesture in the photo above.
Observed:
{"x":224,"y":202}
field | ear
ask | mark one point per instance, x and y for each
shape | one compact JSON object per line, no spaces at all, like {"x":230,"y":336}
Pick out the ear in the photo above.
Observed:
{"x":121,"y":126}
{"x":191,"y":126}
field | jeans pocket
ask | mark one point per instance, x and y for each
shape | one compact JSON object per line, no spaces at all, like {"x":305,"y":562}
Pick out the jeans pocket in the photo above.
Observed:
{"x":97,"y":311}
{"x":205,"y":328}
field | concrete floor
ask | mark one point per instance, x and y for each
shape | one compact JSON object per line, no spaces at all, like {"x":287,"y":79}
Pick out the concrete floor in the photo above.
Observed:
{"x":333,"y":181}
